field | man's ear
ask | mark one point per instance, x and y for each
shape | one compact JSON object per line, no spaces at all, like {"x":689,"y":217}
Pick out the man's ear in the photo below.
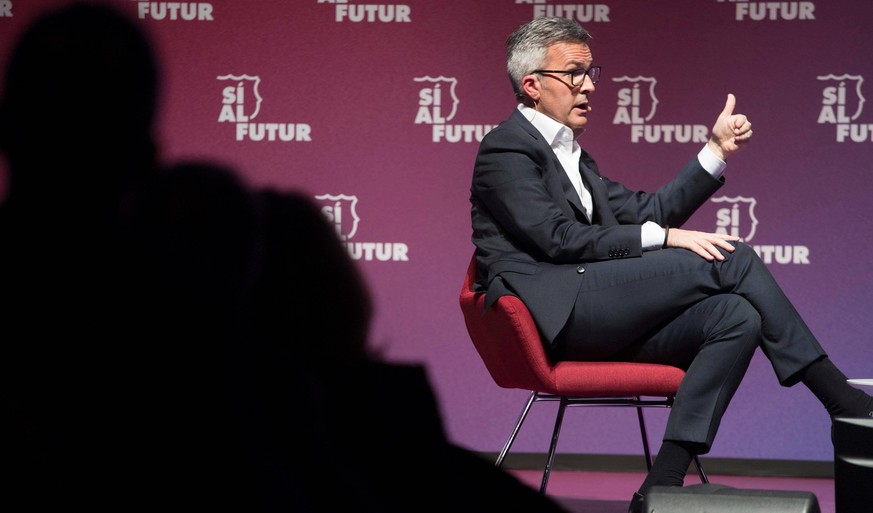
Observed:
{"x":531,"y":87}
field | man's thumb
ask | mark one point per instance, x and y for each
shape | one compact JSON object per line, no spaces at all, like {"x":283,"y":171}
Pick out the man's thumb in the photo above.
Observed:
{"x":729,"y":105}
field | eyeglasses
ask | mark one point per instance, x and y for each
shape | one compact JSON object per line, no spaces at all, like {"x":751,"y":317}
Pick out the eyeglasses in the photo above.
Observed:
{"x":577,"y":76}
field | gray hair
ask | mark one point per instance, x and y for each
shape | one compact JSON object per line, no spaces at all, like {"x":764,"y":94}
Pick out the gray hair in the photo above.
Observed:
{"x":526,"y":48}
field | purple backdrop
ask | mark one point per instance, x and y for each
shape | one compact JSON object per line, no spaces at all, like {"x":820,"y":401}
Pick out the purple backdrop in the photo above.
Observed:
{"x":376,"y":111}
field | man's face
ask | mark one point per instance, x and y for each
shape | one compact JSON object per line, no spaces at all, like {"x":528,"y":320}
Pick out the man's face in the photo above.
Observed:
{"x":557,"y":97}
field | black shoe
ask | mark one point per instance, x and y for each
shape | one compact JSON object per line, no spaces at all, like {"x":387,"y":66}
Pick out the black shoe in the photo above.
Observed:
{"x":636,"y":503}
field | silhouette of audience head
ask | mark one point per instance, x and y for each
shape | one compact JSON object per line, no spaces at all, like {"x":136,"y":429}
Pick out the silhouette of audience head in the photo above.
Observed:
{"x":78,"y":109}
{"x":308,"y":283}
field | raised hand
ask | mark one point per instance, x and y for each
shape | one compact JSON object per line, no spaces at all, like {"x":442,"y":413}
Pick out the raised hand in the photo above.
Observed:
{"x":730,"y":131}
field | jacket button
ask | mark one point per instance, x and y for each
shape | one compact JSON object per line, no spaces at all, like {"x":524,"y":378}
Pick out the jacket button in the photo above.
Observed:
{"x":580,"y":270}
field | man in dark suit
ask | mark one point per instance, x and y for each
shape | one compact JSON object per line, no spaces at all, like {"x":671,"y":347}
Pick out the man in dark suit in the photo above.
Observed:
{"x":606,"y":271}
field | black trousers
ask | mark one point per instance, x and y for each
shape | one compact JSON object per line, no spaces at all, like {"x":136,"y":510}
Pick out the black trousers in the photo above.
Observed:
{"x":673,"y":307}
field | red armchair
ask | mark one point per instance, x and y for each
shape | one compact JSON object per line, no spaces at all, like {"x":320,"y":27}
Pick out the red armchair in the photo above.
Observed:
{"x":507,"y":340}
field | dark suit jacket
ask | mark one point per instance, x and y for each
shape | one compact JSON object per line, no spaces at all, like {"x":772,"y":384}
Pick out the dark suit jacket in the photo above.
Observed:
{"x":531,"y":235}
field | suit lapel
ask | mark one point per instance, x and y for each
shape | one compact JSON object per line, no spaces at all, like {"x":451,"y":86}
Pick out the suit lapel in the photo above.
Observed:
{"x":569,"y":191}
{"x":556,"y":171}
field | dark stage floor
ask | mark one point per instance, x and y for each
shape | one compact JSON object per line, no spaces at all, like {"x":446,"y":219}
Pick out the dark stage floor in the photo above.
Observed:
{"x":610,"y":492}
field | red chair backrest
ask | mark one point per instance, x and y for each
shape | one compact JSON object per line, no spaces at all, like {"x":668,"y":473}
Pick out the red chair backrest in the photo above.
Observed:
{"x":506,"y":338}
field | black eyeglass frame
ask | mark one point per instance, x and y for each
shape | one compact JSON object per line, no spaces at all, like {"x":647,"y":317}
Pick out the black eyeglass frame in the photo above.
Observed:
{"x":573,"y":73}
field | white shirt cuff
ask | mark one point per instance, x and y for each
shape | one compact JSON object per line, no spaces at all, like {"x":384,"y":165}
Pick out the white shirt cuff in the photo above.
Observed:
{"x":710,"y":162}
{"x":652,"y":236}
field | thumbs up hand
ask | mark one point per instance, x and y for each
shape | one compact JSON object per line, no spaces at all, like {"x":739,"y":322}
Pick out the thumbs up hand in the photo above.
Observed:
{"x":730,"y":131}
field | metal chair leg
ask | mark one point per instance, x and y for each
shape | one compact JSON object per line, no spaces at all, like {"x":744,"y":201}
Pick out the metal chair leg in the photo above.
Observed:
{"x":647,"y":453}
{"x":703,"y":477}
{"x":559,"y":419}
{"x":511,"y":439}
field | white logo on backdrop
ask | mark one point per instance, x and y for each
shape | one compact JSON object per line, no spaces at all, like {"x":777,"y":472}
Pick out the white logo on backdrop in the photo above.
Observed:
{"x":772,"y":11}
{"x":431,"y":100}
{"x":437,"y":105}
{"x":172,"y":11}
{"x":369,"y":13}
{"x":636,"y":105}
{"x":736,"y":216}
{"x":241,"y":104}
{"x":5,"y":8}
{"x":734,"y":220}
{"x":583,"y":13}
{"x":341,"y":211}
{"x":235,"y":106}
{"x":842,"y":104}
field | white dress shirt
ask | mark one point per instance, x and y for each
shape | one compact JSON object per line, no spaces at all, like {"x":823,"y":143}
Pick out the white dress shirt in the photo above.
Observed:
{"x":562,"y":142}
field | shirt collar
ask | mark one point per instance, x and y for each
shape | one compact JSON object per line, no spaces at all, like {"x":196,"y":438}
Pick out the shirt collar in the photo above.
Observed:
{"x":555,"y":133}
